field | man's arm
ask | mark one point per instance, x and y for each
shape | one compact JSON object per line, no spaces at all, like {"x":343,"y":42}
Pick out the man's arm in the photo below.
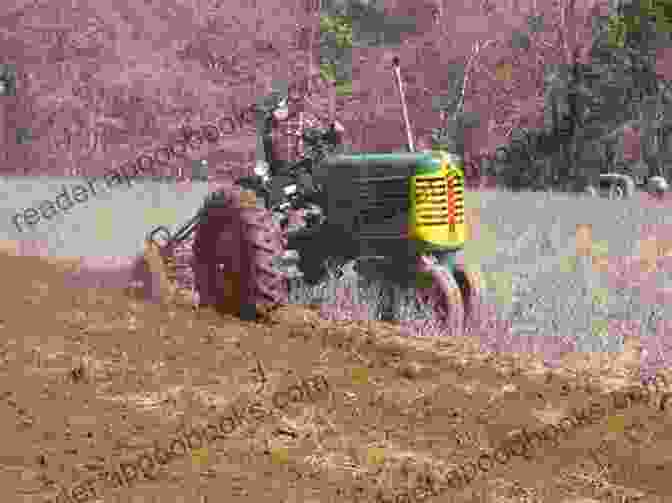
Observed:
{"x":263,"y":152}
{"x":330,"y":116}
{"x":260,"y":154}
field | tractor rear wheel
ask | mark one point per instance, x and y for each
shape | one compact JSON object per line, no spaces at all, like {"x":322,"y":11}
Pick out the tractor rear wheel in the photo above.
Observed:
{"x":235,"y":245}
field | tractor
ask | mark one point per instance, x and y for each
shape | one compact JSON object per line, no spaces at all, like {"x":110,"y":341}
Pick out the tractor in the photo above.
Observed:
{"x":396,"y":218}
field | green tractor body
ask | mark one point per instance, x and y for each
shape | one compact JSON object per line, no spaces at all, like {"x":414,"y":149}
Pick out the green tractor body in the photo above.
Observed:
{"x":400,"y":217}
{"x":401,"y":204}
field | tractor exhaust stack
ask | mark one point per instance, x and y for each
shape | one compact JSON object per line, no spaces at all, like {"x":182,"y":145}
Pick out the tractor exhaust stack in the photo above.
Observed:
{"x":404,"y":110}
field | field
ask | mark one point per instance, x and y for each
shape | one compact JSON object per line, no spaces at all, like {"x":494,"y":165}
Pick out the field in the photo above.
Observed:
{"x":319,"y":401}
{"x":98,"y":378}
{"x":525,"y":245}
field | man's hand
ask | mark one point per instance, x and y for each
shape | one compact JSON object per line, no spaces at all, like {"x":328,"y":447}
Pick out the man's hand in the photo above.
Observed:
{"x":338,"y":127}
{"x":261,"y":169}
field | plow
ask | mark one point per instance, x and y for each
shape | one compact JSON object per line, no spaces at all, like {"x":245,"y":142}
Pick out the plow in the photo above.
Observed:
{"x":394,"y":219}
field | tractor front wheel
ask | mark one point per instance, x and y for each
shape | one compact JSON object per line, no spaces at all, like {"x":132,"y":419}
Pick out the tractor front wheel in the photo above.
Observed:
{"x":472,"y":286}
{"x":416,"y":292}
{"x":440,"y":291}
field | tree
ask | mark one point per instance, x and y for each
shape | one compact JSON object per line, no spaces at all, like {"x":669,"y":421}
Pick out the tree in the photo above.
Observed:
{"x":566,"y":39}
{"x":336,"y":51}
{"x":98,"y":84}
{"x":492,"y":86}
{"x":619,"y":90}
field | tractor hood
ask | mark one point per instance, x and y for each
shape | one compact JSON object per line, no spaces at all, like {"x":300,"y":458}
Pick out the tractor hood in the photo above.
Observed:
{"x":378,"y":165}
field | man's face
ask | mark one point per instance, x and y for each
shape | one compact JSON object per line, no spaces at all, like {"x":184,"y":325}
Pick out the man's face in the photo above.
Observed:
{"x":282,"y":112}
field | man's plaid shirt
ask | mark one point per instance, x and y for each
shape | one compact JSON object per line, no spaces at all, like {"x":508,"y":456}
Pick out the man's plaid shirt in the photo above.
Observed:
{"x":288,"y":134}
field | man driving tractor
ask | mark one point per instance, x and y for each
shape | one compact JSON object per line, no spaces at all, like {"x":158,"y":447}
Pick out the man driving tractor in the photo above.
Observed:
{"x":246,"y":253}
{"x":283,"y":129}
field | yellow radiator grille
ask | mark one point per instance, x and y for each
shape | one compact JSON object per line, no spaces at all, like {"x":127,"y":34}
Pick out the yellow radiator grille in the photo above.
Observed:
{"x":439,"y":201}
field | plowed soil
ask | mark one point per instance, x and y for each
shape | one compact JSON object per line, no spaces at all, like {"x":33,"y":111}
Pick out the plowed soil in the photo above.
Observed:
{"x":94,"y":378}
